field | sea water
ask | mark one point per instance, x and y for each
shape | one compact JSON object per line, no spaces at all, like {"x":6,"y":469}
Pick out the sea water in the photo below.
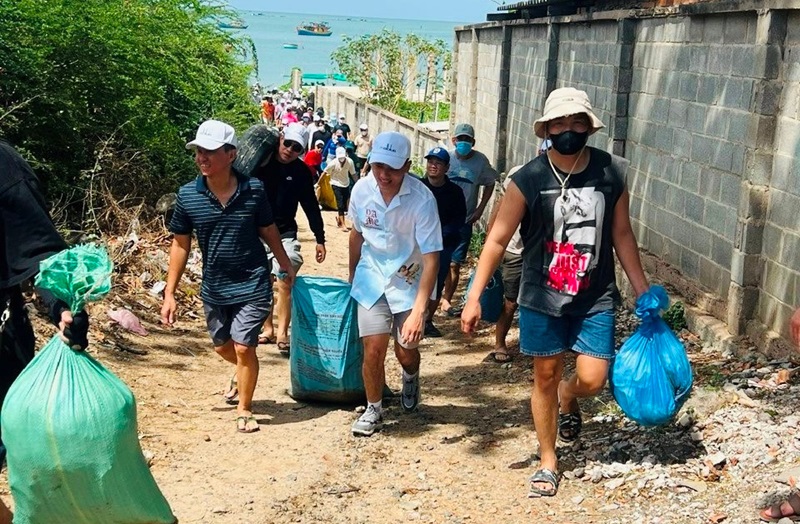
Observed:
{"x":269,"y":31}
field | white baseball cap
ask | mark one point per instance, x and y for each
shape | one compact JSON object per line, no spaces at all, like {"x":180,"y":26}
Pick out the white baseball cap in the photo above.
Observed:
{"x":213,"y":134}
{"x":341,"y":153}
{"x":390,"y":148}
{"x":296,"y":133}
{"x":363,"y":127}
{"x":315,"y":118}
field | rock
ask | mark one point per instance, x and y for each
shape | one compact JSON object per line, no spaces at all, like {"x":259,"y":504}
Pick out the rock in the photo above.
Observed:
{"x":694,"y":485}
{"x":609,"y":507}
{"x":685,"y":420}
{"x":614,"y":484}
{"x":409,"y":505}
{"x":786,"y":520}
{"x":207,"y":438}
{"x":784,"y":477}
{"x":696,"y":436}
{"x":148,"y":456}
{"x":764,"y":417}
{"x":577,"y":499}
{"x":717,"y":458}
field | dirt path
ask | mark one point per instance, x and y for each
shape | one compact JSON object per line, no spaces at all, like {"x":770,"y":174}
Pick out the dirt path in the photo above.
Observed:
{"x":463,"y":458}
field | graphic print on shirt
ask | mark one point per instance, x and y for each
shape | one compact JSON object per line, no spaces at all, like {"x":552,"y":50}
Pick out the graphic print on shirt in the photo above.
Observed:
{"x":577,"y":237}
{"x":371,"y":218}
{"x":409,"y":272}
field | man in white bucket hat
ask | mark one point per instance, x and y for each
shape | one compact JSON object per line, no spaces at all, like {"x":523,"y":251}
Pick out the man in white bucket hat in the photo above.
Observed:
{"x":576,"y":204}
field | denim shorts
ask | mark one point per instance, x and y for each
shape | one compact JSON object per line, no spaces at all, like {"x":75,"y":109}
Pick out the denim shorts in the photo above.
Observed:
{"x":292,"y":248}
{"x":238,"y":322}
{"x":462,"y":249}
{"x":542,"y":335}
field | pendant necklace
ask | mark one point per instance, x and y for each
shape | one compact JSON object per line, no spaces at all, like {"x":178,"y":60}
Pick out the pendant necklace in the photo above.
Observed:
{"x":563,"y":181}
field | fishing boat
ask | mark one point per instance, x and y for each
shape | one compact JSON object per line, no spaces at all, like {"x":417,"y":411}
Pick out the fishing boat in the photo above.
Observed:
{"x":290,"y":46}
{"x":314,"y":29}
{"x":232,"y":24}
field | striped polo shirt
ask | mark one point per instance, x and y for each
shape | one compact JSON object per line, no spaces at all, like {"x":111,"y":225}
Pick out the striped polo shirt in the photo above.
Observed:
{"x":234,"y":260}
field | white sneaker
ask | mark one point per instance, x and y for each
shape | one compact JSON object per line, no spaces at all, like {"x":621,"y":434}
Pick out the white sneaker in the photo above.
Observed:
{"x":368,"y":423}
{"x":409,"y":398}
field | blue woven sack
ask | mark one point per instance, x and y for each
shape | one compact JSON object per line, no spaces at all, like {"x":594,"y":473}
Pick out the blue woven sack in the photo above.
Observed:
{"x":651,"y":376}
{"x":492,"y":298}
{"x":326,"y":356}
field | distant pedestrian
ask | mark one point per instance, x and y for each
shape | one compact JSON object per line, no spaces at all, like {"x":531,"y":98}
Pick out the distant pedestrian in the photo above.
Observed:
{"x":343,"y":126}
{"x":574,"y":209}
{"x":472,"y":172}
{"x":394,"y":258}
{"x":341,"y":171}
{"x":231,"y":216}
{"x":452,"y":211}
{"x":363,"y":144}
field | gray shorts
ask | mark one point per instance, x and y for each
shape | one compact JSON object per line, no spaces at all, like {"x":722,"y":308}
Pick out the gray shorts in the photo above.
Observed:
{"x":238,"y":322}
{"x":512,"y":273}
{"x":379,"y":320}
{"x":292,"y":248}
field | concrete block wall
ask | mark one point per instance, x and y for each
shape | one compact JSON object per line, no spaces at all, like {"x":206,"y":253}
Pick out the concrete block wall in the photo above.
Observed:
{"x":487,"y":92}
{"x":780,"y":275}
{"x":463,"y":77}
{"x":692,"y":87}
{"x":587,"y":56}
{"x":527,"y":90}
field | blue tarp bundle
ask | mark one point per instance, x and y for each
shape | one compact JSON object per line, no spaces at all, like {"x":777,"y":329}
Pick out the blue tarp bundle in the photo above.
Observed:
{"x":326,"y":356}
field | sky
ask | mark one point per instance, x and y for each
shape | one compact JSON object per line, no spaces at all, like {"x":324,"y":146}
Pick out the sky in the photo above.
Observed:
{"x":466,"y":11}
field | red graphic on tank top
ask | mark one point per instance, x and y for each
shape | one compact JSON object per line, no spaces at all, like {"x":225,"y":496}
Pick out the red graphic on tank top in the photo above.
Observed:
{"x":577,"y":237}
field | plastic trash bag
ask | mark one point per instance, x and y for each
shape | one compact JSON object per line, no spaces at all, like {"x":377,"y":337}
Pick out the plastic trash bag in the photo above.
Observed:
{"x":326,"y":351}
{"x":324,"y":192}
{"x":651,"y":376}
{"x":69,"y":424}
{"x":257,"y":146}
{"x":492,"y":297}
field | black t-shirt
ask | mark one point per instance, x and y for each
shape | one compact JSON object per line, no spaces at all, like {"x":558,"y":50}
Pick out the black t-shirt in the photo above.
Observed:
{"x":345,"y":130}
{"x":323,"y":135}
{"x":288,"y":185}
{"x":27,"y":234}
{"x":568,"y":260}
{"x":452,"y":210}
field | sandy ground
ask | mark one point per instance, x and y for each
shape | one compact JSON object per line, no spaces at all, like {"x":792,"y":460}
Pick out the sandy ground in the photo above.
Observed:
{"x":463,"y":458}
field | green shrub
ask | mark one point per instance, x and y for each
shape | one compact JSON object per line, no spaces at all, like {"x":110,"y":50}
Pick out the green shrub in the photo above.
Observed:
{"x":103,"y":94}
{"x":476,"y":242}
{"x":675,"y":317}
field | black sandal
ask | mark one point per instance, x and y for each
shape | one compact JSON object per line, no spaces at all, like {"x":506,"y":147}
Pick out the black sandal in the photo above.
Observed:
{"x":569,"y":426}
{"x":543,"y":475}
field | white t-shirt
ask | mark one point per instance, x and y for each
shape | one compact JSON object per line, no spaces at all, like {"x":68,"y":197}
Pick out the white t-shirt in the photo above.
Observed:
{"x":395,"y":238}
{"x":340,"y":173}
{"x":515,"y":244}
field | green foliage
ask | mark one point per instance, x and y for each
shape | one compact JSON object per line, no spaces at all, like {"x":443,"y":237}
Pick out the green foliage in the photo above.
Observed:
{"x":388,"y":66}
{"x":476,"y":242}
{"x":423,"y":112}
{"x":103,"y":94}
{"x":675,"y":317}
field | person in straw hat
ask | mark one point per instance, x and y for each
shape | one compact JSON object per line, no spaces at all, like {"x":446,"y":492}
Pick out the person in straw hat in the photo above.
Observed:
{"x":572,"y":205}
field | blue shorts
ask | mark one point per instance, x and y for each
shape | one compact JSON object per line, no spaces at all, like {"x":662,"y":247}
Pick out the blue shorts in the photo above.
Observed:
{"x":238,"y":322}
{"x":543,"y":335}
{"x":462,"y":249}
{"x":445,"y":255}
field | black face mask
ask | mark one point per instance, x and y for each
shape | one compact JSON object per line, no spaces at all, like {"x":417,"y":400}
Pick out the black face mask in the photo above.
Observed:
{"x":569,"y":142}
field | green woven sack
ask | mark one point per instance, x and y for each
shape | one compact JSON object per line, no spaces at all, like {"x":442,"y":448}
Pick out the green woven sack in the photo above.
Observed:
{"x":69,"y":424}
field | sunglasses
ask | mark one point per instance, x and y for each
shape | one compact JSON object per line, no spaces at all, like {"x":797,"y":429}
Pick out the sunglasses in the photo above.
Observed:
{"x":294,"y":146}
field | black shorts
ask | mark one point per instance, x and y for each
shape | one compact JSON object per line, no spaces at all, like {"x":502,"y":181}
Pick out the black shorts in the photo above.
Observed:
{"x":512,"y":273}
{"x":16,"y":349}
{"x":342,"y":194}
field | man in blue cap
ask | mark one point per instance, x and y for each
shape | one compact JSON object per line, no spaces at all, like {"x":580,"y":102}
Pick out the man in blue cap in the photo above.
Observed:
{"x":452,"y":214}
{"x":473,"y":173}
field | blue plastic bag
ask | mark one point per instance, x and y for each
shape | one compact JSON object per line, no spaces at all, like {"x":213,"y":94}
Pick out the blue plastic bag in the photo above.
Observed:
{"x":492,"y":297}
{"x":325,"y":361}
{"x":651,"y":376}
